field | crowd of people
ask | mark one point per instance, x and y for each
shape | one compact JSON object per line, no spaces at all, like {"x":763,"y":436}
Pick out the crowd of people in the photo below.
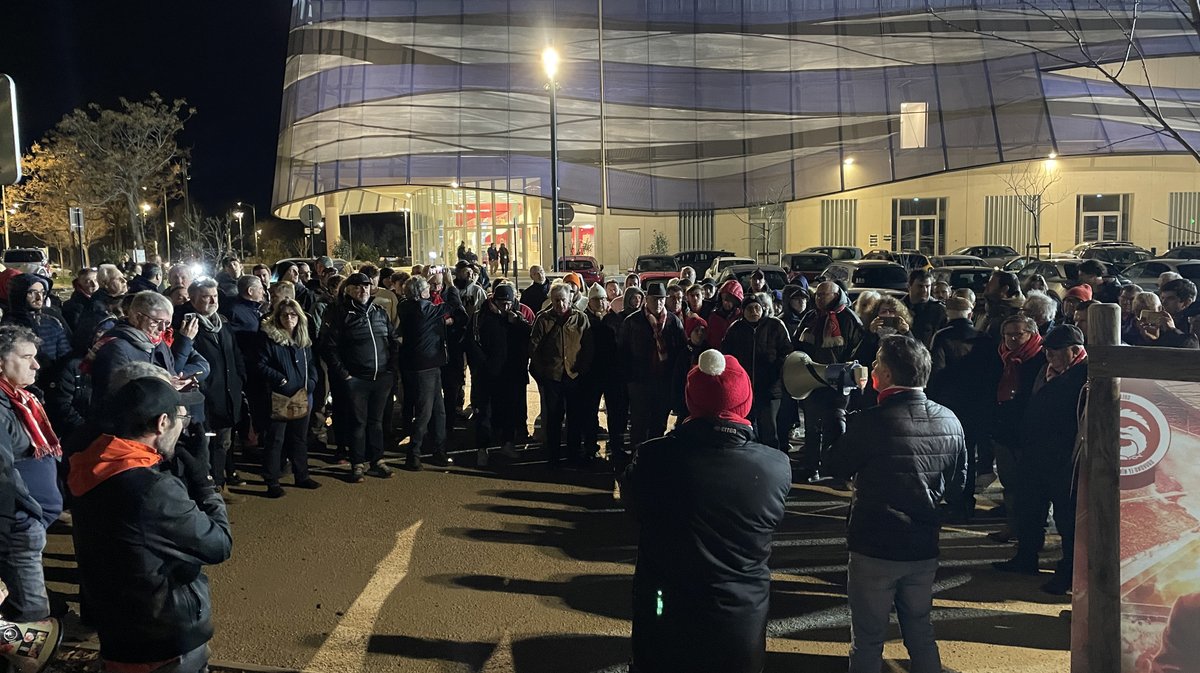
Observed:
{"x":134,"y":374}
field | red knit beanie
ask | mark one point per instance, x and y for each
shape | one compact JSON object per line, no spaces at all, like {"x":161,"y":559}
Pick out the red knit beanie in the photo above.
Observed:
{"x":693,"y":321}
{"x":718,"y":387}
{"x":1082,"y":292}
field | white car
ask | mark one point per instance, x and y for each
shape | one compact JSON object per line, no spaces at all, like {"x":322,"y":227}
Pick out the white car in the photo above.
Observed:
{"x":721,"y":263}
{"x":1145,"y":274}
{"x":27,"y":260}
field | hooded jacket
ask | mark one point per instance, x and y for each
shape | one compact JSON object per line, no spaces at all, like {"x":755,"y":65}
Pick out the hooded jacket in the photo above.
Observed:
{"x":281,"y":358}
{"x":708,"y":499}
{"x":141,"y":541}
{"x":810,"y":334}
{"x":718,"y":320}
{"x":56,"y":339}
{"x":222,"y":387}
{"x":125,"y":343}
{"x":90,"y":318}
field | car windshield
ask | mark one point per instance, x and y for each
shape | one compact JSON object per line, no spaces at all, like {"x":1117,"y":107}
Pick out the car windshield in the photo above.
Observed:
{"x":657,"y":264}
{"x":881,"y":276}
{"x":841,"y":253}
{"x":1120,"y":256}
{"x":697,"y":259}
{"x":19,"y":256}
{"x":775,"y":279}
{"x":972,"y":279}
{"x":809,"y":263}
{"x":578,"y":265}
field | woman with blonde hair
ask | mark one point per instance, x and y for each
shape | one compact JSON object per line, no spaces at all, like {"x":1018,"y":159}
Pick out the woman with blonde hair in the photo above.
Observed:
{"x":285,"y":362}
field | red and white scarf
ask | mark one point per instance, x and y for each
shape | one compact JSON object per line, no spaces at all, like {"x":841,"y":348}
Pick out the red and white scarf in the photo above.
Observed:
{"x":32,"y":416}
{"x":1051,"y":372}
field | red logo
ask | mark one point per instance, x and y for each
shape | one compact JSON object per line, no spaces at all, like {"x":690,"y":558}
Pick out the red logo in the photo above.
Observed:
{"x":1145,"y":435}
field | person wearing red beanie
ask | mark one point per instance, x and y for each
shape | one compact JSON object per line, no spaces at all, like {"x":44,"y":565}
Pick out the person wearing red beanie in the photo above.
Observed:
{"x":708,"y":498}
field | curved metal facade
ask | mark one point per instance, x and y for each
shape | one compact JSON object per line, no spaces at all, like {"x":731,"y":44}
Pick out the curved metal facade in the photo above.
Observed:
{"x":666,"y":104}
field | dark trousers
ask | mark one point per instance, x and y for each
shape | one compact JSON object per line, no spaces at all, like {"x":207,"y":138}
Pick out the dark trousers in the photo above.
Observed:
{"x":1041,"y":487}
{"x":221,"y":455}
{"x":785,"y":420}
{"x":649,"y":407}
{"x":561,"y":399}
{"x":429,"y":411}
{"x":824,"y":424}
{"x":504,"y":267}
{"x":591,"y":390}
{"x":454,"y":380}
{"x":762,"y":415}
{"x":367,"y":400}
{"x":616,"y":405}
{"x":290,"y":439}
{"x":318,"y":434}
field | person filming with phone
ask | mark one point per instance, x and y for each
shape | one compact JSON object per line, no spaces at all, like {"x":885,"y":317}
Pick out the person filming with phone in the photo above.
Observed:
{"x":1155,"y":326}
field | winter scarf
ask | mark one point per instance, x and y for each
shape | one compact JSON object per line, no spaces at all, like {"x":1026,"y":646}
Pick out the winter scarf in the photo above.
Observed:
{"x":32,"y":416}
{"x":1013,"y":359}
{"x":1051,"y":372}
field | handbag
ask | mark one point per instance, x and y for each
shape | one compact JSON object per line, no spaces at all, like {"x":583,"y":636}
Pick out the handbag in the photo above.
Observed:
{"x":291,"y":407}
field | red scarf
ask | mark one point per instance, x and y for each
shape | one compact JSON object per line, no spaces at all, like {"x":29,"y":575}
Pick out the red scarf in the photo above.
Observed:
{"x":833,"y":329}
{"x":33,"y":418}
{"x":1011,"y":378}
{"x":657,"y":326}
{"x":1051,"y":372}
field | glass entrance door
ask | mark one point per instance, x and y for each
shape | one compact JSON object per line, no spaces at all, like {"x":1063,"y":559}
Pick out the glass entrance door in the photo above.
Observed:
{"x":919,"y":233}
{"x":1100,"y":227}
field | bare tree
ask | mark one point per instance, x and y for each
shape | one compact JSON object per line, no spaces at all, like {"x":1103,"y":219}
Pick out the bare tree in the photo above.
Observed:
{"x":1106,"y":58}
{"x":766,"y":217}
{"x":1032,"y":183}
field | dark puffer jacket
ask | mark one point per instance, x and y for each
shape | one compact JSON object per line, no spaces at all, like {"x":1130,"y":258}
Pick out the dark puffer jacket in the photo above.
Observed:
{"x":125,"y":343}
{"x":965,"y":372}
{"x":498,"y":348}
{"x":423,"y":330}
{"x":56,"y":339}
{"x":226,"y":378}
{"x":906,"y":455}
{"x":357,"y":340}
{"x":281,"y":358}
{"x":760,"y":347}
{"x":708,"y":499}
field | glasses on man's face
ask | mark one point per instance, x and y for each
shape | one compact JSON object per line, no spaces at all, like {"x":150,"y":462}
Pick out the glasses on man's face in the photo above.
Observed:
{"x":160,"y":323}
{"x":1015,"y":335}
{"x":186,"y":419}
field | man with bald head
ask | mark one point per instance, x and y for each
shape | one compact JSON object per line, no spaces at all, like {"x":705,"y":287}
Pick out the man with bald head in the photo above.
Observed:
{"x":535,"y":295}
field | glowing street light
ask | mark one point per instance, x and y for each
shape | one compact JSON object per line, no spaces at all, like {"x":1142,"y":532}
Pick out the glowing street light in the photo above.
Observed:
{"x":550,"y":65}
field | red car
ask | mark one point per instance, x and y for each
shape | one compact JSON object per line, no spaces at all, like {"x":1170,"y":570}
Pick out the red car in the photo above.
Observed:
{"x":587,"y":267}
{"x":656,"y":267}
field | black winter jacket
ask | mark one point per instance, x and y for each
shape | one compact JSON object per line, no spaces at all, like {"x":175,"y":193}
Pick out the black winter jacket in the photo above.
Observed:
{"x":74,"y":307}
{"x":498,"y":347}
{"x":141,"y":542}
{"x":809,"y":336}
{"x":965,"y":372}
{"x":905,"y":456}
{"x":423,"y":330}
{"x":639,"y":352}
{"x":56,"y":338}
{"x":91,"y":316}
{"x":604,"y":350}
{"x":708,"y":499}
{"x":927,"y":318}
{"x":357,"y":340}
{"x":1051,"y":421}
{"x":226,"y":379}
{"x":281,"y":359}
{"x":760,"y":348}
{"x":1006,"y":428}
{"x":68,"y":397}
{"x":535,"y":295}
{"x":126,"y":343}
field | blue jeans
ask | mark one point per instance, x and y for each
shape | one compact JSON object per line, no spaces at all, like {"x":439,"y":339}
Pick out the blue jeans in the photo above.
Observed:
{"x":21,"y":570}
{"x":874,"y":586}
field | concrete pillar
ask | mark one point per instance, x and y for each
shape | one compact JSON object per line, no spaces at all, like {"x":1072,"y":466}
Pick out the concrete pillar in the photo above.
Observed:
{"x":333,"y":223}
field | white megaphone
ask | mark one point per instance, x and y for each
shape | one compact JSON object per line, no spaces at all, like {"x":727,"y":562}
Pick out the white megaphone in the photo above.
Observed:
{"x":801,"y":376}
{"x":29,"y":646}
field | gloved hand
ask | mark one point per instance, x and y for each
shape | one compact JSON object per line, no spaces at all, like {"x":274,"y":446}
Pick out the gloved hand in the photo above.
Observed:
{"x":194,"y":473}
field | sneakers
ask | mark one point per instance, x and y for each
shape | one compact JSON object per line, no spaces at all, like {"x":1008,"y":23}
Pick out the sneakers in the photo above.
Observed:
{"x":275,"y":491}
{"x":617,"y":491}
{"x":381,"y":470}
{"x":509,"y":450}
{"x":309,"y":483}
{"x":481,"y":457}
{"x":357,"y":474}
{"x":232,"y":479}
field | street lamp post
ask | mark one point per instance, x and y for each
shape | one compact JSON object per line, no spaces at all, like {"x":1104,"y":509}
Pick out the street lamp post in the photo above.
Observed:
{"x":550,"y":63}
{"x":241,"y":233}
{"x":253,"y":224}
{"x":257,"y":232}
{"x":145,"y":212}
{"x":169,"y":226}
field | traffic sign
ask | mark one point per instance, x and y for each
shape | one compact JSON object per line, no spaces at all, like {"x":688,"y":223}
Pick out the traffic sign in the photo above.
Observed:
{"x":566,"y":213}
{"x":310,"y":215}
{"x":75,"y":215}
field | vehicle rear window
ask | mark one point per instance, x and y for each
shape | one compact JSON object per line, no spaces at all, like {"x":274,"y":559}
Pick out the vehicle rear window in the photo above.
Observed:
{"x":972,"y":279}
{"x":841,"y":254}
{"x":884,"y":276}
{"x":578,"y":265}
{"x":657,"y":264}
{"x":20,"y":256}
{"x":808,"y":263}
{"x":1190,"y":271}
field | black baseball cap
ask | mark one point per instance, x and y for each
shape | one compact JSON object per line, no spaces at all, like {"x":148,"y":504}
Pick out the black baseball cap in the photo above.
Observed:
{"x":358,"y":279}
{"x":138,"y":402}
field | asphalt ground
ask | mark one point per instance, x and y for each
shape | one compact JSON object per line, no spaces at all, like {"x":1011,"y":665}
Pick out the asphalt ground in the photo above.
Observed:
{"x":517,"y":568}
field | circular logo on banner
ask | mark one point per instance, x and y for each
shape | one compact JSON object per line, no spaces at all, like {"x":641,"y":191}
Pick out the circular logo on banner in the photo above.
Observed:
{"x":1145,"y":435}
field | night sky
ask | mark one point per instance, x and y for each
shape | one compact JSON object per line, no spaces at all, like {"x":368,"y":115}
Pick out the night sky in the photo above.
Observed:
{"x":226,"y":58}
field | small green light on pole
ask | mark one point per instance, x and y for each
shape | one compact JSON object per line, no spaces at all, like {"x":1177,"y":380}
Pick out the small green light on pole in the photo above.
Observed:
{"x":658,"y":607}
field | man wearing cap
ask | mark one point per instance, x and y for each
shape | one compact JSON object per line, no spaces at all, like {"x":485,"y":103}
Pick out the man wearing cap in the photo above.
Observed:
{"x":143,"y":535}
{"x":649,"y":343}
{"x":905,"y":455}
{"x":963,"y":376}
{"x":535,"y":295}
{"x":758,"y":283}
{"x":1045,"y":467}
{"x":599,"y":378}
{"x":560,"y":353}
{"x":1074,"y":297}
{"x":708,"y":499}
{"x":497,"y":350}
{"x":358,"y":343}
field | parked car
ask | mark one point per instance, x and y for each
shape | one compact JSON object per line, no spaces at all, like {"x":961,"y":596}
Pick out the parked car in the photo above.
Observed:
{"x":1146,"y":273}
{"x":956,"y":260}
{"x":869,"y":274}
{"x":992,"y":255}
{"x":1015,"y":265}
{"x":587,"y":267}
{"x":1120,"y":255}
{"x":909,"y":259}
{"x":721,"y":263}
{"x":27,"y":260}
{"x":655,"y":267}
{"x":837,"y":252}
{"x":972,"y":276}
{"x":1062,"y":274}
{"x":775,"y":276}
{"x":807,"y":264}
{"x":699,"y":260}
{"x":1182,"y":252}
